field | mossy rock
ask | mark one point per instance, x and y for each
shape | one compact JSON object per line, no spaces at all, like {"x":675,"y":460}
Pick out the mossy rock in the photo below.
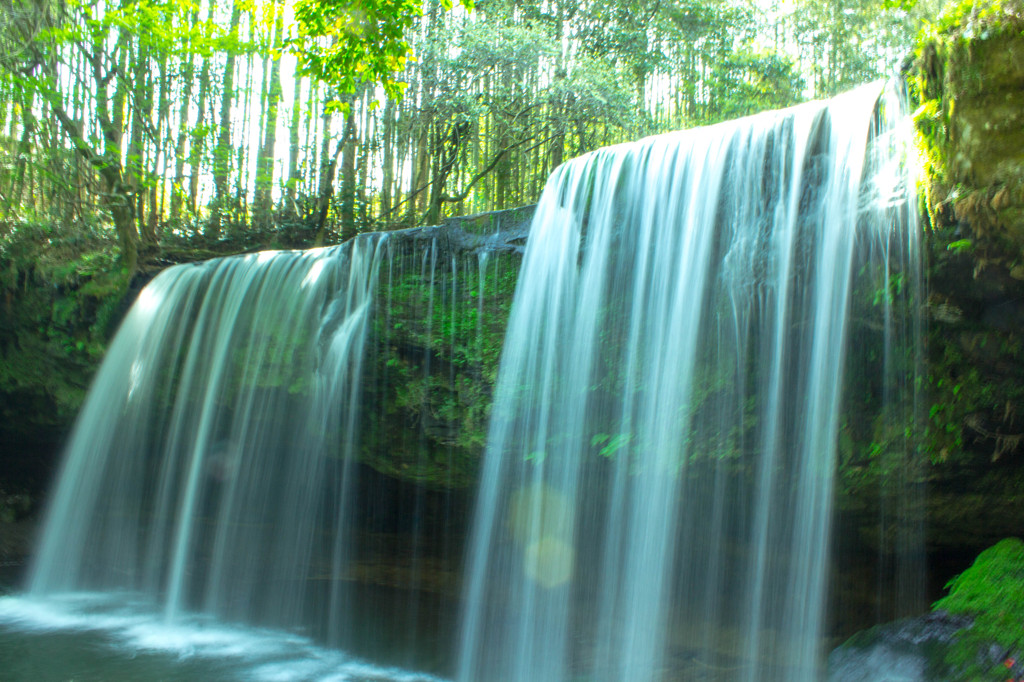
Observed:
{"x":439,"y":326}
{"x":969,"y":80}
{"x":62,"y":294}
{"x":991,"y":593}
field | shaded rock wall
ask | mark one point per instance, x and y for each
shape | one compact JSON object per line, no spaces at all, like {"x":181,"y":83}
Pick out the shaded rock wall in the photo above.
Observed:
{"x":969,"y":78}
{"x":442,"y":305}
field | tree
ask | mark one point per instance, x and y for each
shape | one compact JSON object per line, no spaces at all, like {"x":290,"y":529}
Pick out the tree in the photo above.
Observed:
{"x":94,"y":67}
{"x":165,"y":115}
{"x":345,"y":42}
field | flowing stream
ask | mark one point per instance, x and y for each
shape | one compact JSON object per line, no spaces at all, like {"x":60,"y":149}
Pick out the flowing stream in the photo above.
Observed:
{"x":695,"y":315}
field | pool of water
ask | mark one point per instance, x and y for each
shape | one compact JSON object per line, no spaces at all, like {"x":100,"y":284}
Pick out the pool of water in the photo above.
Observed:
{"x":91,"y":637}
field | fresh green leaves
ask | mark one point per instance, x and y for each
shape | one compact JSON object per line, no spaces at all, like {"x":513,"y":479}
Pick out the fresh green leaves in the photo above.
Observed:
{"x":347,"y":42}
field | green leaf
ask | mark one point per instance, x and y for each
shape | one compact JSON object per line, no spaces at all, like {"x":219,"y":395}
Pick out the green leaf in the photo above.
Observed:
{"x":960,"y":246}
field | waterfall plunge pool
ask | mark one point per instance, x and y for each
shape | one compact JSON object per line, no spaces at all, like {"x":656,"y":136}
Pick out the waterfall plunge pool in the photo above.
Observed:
{"x":108,"y":637}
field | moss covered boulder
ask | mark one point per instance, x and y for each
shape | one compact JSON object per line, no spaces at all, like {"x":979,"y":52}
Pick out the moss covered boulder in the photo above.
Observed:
{"x":988,"y":595}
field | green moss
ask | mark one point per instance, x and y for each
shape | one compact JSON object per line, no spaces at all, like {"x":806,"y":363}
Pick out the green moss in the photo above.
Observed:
{"x":430,"y":379}
{"x":61,"y":294}
{"x":969,"y":83}
{"x":991,"y":592}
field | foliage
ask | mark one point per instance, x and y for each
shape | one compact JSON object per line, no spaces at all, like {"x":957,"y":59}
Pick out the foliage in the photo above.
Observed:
{"x":169,"y":119}
{"x":62,"y":293}
{"x":963,"y":83}
{"x":437,"y":339}
{"x":846,"y":42}
{"x":990,"y":593}
{"x":961,"y":72}
{"x":345,"y":42}
{"x":750,"y":81}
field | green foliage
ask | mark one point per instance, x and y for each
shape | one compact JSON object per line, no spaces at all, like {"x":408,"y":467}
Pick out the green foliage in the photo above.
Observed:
{"x":844,"y":43}
{"x":610,"y":444}
{"x":437,"y":340}
{"x":971,"y":18}
{"x":991,"y":592}
{"x":345,"y":42}
{"x":61,"y":292}
{"x":749,"y":81}
{"x":960,"y":245}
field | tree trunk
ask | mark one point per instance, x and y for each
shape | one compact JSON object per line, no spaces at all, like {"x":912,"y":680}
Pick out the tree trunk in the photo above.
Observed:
{"x":198,"y":136}
{"x":222,"y":153}
{"x":346,"y":210}
{"x":159,"y":166}
{"x":265,"y":164}
{"x":178,"y":190}
{"x":294,"y":175}
{"x":326,"y":193}
{"x":388,"y":142}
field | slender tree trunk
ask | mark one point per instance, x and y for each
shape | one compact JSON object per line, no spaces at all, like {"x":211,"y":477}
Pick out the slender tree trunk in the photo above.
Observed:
{"x":325,"y":185}
{"x":363,"y":163}
{"x":198,"y":134}
{"x":388,"y":170}
{"x":156,"y":185}
{"x":326,"y":193}
{"x":178,"y":190}
{"x":265,"y":167}
{"x":28,"y":128}
{"x":294,"y":175}
{"x":135,"y":175}
{"x":346,"y":210}
{"x":239,"y":203}
{"x":198,"y":139}
{"x":222,"y":153}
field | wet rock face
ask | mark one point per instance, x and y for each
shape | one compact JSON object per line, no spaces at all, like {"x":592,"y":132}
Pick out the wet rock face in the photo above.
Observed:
{"x":429,"y":379}
{"x":969,"y":78}
{"x":911,"y":650}
{"x":440,"y":312}
{"x":987,"y":110}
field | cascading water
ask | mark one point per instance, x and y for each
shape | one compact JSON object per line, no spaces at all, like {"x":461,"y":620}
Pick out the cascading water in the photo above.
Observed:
{"x":656,"y":497}
{"x":213,"y":470}
{"x":658,"y":486}
{"x":222,"y":472}
{"x":195,"y":473}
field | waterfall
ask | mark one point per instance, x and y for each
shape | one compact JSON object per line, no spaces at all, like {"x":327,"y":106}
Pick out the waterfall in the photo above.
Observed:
{"x":658,"y":485}
{"x":282,"y":440}
{"x":705,"y":325}
{"x":195,"y":474}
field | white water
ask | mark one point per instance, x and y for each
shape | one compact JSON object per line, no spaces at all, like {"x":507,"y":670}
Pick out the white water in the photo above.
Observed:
{"x":115,"y":636}
{"x":211,"y":467}
{"x":658,"y":486}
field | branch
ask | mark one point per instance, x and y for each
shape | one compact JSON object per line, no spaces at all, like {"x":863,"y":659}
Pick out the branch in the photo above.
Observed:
{"x":494,"y":162}
{"x":409,"y":198}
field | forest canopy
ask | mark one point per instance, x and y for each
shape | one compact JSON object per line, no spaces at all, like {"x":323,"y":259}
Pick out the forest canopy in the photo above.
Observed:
{"x":213,"y":121}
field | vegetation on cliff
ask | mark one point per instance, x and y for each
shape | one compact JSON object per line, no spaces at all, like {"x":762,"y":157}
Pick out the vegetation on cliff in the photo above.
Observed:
{"x":989,"y":593}
{"x":968,"y":80}
{"x":62,"y":294}
{"x":970,"y":66}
